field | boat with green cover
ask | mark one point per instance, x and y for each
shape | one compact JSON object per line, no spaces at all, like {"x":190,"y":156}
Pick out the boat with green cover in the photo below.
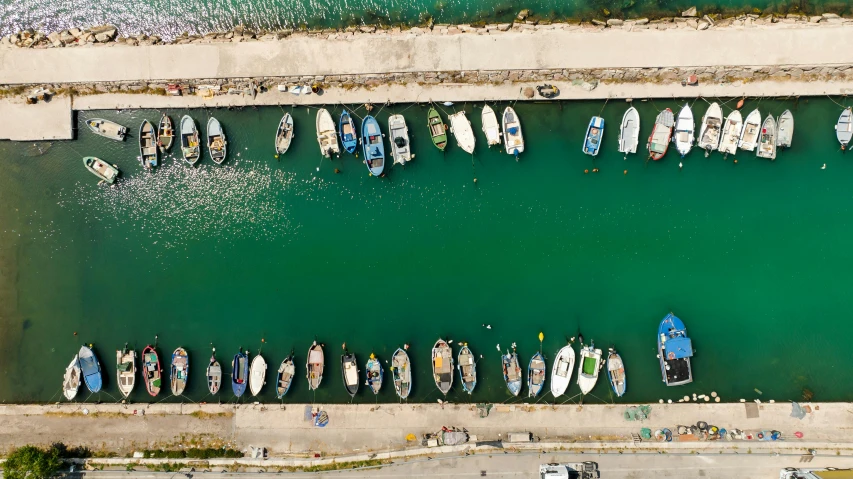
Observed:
{"x":437,"y":129}
{"x":101,"y":169}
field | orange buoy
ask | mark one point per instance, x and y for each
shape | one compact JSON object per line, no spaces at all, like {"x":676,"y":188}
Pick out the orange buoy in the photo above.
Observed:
{"x":735,"y":160}
{"x":740,"y":103}
{"x":585,"y":171}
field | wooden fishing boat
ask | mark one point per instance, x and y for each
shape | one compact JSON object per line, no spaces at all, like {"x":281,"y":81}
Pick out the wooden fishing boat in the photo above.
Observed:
{"x":125,"y":370}
{"x":165,"y":133}
{"x":179,"y":371}
{"x":374,"y":373}
{"x":511,"y":372}
{"x":401,"y":370}
{"x":148,"y":151}
{"x":732,"y":130}
{"x":90,"y":369}
{"x":467,"y":366}
{"x":767,"y":139}
{"x":751,"y":129}
{"x":346,"y":128}
{"x":399,"y":134}
{"x":491,"y":128}
{"x":513,"y":138}
{"x":535,"y":375}
{"x":214,"y":374}
{"x":594,"y":135}
{"x":844,"y":127}
{"x":373,"y":146}
{"x":327,"y":138}
{"x":284,"y":134}
{"x":661,"y":134}
{"x":107,"y":129}
{"x":461,"y":129}
{"x":709,"y":131}
{"x":442,"y":366}
{"x":100,"y":168}
{"x":616,"y":372}
{"x":629,"y":131}
{"x":349,"y":373}
{"x":71,"y":380}
{"x":257,"y":375}
{"x":561,"y":372}
{"x":239,"y":373}
{"x":314,"y":366}
{"x":190,"y":143}
{"x":284,"y":377}
{"x":590,"y":364}
{"x":216,"y":142}
{"x":684,"y":127}
{"x":151,"y":370}
{"x":674,"y":351}
{"x":785,"y":129}
{"x":437,"y":129}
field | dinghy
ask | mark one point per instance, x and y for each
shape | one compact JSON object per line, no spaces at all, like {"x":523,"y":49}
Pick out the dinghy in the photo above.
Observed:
{"x":284,"y":378}
{"x":442,"y":366}
{"x":461,"y":129}
{"x":535,"y":375}
{"x":590,"y":363}
{"x":148,"y":150}
{"x":561,"y":372}
{"x":151,"y":370}
{"x":349,"y":373}
{"x":399,"y":134}
{"x":239,"y":373}
{"x":616,"y":372}
{"x":513,"y":139}
{"x":594,"y":134}
{"x":767,"y":139}
{"x":629,"y":133}
{"x":844,"y":127}
{"x":125,"y":370}
{"x":71,"y":381}
{"x":374,"y":373}
{"x":709,"y":131}
{"x":284,"y":134}
{"x":491,"y":128}
{"x":661,"y":134}
{"x":90,"y":369}
{"x":165,"y":133}
{"x":401,"y":370}
{"x":107,"y":129}
{"x":674,"y":351}
{"x":314,"y":366}
{"x":190,"y":143}
{"x":257,"y":375}
{"x":785,"y":129}
{"x":179,"y":371}
{"x":511,"y":372}
{"x":684,"y":127}
{"x":216,"y":143}
{"x":373,"y":146}
{"x":326,"y":136}
{"x":100,"y":168}
{"x":437,"y":129}
{"x":732,"y":130}
{"x":751,"y":129}
{"x":214,"y":374}
{"x":346,"y":128}
{"x":467,"y":366}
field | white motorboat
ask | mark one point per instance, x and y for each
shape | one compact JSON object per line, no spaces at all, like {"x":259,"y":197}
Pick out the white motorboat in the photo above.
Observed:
{"x":684,"y":128}
{"x":709,"y":131}
{"x":767,"y":139}
{"x":590,"y":364}
{"x":785,"y":129}
{"x":491,"y":128}
{"x":731,"y":133}
{"x":513,"y":139}
{"x":751,"y":129}
{"x":257,"y":375}
{"x":629,"y":132}
{"x":399,"y":134}
{"x":327,"y":137}
{"x":71,"y":381}
{"x":561,"y":371}
{"x":460,"y":126}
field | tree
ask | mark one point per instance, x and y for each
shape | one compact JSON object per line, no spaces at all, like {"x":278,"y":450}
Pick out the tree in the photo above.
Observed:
{"x":31,"y":462}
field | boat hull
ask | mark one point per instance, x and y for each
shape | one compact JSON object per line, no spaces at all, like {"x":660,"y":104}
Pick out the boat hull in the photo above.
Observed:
{"x":151,"y":371}
{"x":179,"y":371}
{"x":684,"y":127}
{"x":125,"y":371}
{"x":513,"y":136}
{"x":616,"y":373}
{"x":629,"y":131}
{"x":594,"y":136}
{"x":239,"y":373}
{"x":349,"y":373}
{"x":561,"y":371}
{"x":767,"y":139}
{"x":284,"y":377}
{"x":398,"y":132}
{"x":374,"y":375}
{"x":149,"y":151}
{"x":346,"y":130}
{"x":214,"y":375}
{"x":460,"y":126}
{"x":709,"y":132}
{"x":511,"y":372}
{"x":437,"y":129}
{"x":165,"y":133}
{"x":71,"y":380}
{"x":217,"y":144}
{"x":491,"y":128}
{"x":190,"y":142}
{"x":284,"y":134}
{"x":372,"y":146}
{"x":675,"y":364}
{"x":467,"y":366}
{"x":90,"y":369}
{"x":732,"y":131}
{"x":327,"y":138}
{"x":100,"y":168}
{"x":401,"y":370}
{"x":535,"y":375}
{"x":588,"y":368}
{"x":314,"y":366}
{"x":442,"y":366}
{"x":107,"y":129}
{"x":661,"y":135}
{"x":785,"y":129}
{"x":257,"y":375}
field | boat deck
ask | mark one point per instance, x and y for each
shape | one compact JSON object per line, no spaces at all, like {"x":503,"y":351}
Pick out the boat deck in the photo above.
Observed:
{"x":678,"y":371}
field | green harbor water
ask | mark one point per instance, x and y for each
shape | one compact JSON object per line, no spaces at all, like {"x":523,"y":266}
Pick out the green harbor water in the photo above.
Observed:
{"x":269,"y":255}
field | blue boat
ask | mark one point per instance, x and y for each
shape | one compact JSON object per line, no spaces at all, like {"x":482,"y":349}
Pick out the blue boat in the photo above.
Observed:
{"x":374,"y":147}
{"x":674,"y":351}
{"x":374,"y":374}
{"x":240,"y":373}
{"x":594,"y":133}
{"x":535,"y":375}
{"x":286,"y":373}
{"x":467,"y":366}
{"x":90,"y":368}
{"x":346,"y":127}
{"x":511,"y":372}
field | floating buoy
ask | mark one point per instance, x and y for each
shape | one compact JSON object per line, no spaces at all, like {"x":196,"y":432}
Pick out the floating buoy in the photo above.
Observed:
{"x":625,"y":172}
{"x":337,"y":170}
{"x":823,"y":167}
{"x":660,"y":401}
{"x":475,"y":180}
{"x":713,"y":394}
{"x":595,"y":170}
{"x":686,"y":398}
{"x":669,"y":401}
{"x":585,"y":171}
{"x":707,"y":399}
{"x":680,"y":165}
{"x":758,"y":391}
{"x":716,"y":399}
{"x":735,"y":161}
{"x":75,"y":333}
{"x":541,"y":336}
{"x":740,"y":103}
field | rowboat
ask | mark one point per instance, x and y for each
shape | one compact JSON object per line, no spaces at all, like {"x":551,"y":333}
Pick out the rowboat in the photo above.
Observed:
{"x":346,"y":128}
{"x":467,"y":366}
{"x":535,"y":375}
{"x":100,"y":168}
{"x":179,"y":372}
{"x":590,"y":363}
{"x":437,"y":129}
{"x":257,"y":374}
{"x":785,"y":130}
{"x":373,"y":146}
{"x":844,"y":127}
{"x":616,"y":372}
{"x":709,"y":131}
{"x":374,"y":373}
{"x":767,"y":139}
{"x":513,"y":138}
{"x":125,"y":370}
{"x":284,"y":377}
{"x":151,"y":370}
{"x":511,"y":372}
{"x":71,"y":380}
{"x":629,"y":132}
{"x":106,"y":128}
{"x":401,"y":370}
{"x":561,"y":372}
{"x":490,"y":126}
{"x":461,"y":129}
{"x":661,"y":134}
{"x":148,"y":150}
{"x":399,"y":134}
{"x":349,"y":373}
{"x":751,"y":129}
{"x":165,"y":133}
{"x":284,"y":134}
{"x":674,"y":351}
{"x":684,"y":127}
{"x":732,"y":130}
{"x":216,"y":142}
{"x":314,"y":366}
{"x":90,"y":369}
{"x":326,"y":136}
{"x":442,"y":366}
{"x":594,"y":135}
{"x":214,"y":374}
{"x":190,"y":143}
{"x":239,"y":373}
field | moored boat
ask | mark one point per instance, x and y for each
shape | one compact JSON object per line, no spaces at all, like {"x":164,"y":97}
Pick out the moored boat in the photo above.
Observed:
{"x":125,"y":370}
{"x":844,"y":127}
{"x":732,"y":129}
{"x":349,"y":373}
{"x":437,"y":129}
{"x":179,"y":371}
{"x":372,"y":146}
{"x":467,"y":366}
{"x":399,"y":135}
{"x":461,"y":129}
{"x":326,"y":136}
{"x":513,"y":138}
{"x":616,"y":372}
{"x":106,"y":128}
{"x":374,"y":373}
{"x":751,"y":129}
{"x":314,"y":366}
{"x":511,"y":372}
{"x":285,"y":375}
{"x":190,"y":142}
{"x":257,"y":374}
{"x":785,"y":129}
{"x":535,"y":375}
{"x":674,"y":351}
{"x":239,"y":373}
{"x":661,"y":134}
{"x":442,"y":366}
{"x":216,"y":142}
{"x":709,"y":131}
{"x":684,"y":127}
{"x":767,"y":139}
{"x":90,"y":369}
{"x":284,"y":134}
{"x":401,"y":370}
{"x":165,"y":133}
{"x":629,"y":131}
{"x":71,"y":380}
{"x":561,"y":372}
{"x":491,"y":128}
{"x":588,"y":367}
{"x":214,"y":374}
{"x":148,"y":151}
{"x":594,"y":135}
{"x":346,"y":128}
{"x":151,"y":371}
{"x":100,"y":168}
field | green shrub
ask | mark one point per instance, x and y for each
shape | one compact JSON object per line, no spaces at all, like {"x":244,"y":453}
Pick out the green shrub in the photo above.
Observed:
{"x":31,"y":462}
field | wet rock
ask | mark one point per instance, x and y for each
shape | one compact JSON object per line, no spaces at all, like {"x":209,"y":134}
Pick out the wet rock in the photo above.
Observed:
{"x":54,"y":39}
{"x":709,"y":20}
{"x":598,"y":23}
{"x":829,"y":15}
{"x":690,"y":12}
{"x":703,"y":25}
{"x":104,"y":33}
{"x":522,"y":15}
{"x":65,"y":36}
{"x":367,"y":29}
{"x":815,"y":19}
{"x":615,"y":22}
{"x":229,"y":35}
{"x":692,"y":23}
{"x":641,"y":21}
{"x":27,"y":42}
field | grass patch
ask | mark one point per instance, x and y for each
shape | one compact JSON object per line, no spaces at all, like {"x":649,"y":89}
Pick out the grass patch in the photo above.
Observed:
{"x":199,"y":453}
{"x":208,"y":415}
{"x":337,"y":466}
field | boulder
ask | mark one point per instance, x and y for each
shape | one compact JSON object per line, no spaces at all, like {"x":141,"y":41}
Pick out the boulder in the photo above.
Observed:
{"x":598,"y":23}
{"x":708,"y":19}
{"x":641,"y":21}
{"x":829,"y":15}
{"x":522,"y":15}
{"x":65,"y":36}
{"x":690,"y":12}
{"x":54,"y":39}
{"x":815,"y":19}
{"x":75,"y":32}
{"x":504,"y":26}
{"x":703,"y":25}
{"x":692,"y":23}
{"x":367,"y":29}
{"x":615,"y":22}
{"x":104,"y":33}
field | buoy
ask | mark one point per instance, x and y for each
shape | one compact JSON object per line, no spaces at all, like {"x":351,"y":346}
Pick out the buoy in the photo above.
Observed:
{"x":625,"y":172}
{"x":701,"y":396}
{"x":758,"y":391}
{"x":475,"y":180}
{"x":743,"y":400}
{"x":740,"y":103}
{"x":713,"y":394}
{"x":716,"y":399}
{"x":660,"y":401}
{"x":823,"y":167}
{"x":276,"y":157}
{"x":75,"y":333}
{"x":707,"y":399}
{"x":735,"y":161}
{"x":541,"y":336}
{"x":337,"y":170}
{"x":680,"y":165}
{"x":686,"y":398}
{"x":669,"y":401}
{"x":595,"y":170}
{"x":585,"y":171}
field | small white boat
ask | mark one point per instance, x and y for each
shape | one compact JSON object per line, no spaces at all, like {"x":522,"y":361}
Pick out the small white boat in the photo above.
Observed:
{"x":257,"y":375}
{"x":616,"y":372}
{"x":561,"y":371}
{"x":767,"y":139}
{"x":684,"y":128}
{"x":107,"y":129}
{"x":731,"y":133}
{"x":751,"y":129}
{"x":71,"y":381}
{"x":398,"y":132}
{"x":513,"y":139}
{"x":785,"y":129}
{"x":460,"y":126}
{"x":284,"y":134}
{"x":125,"y":370}
{"x":327,"y":136}
{"x":590,"y":364}
{"x":491,"y":127}
{"x":216,"y":142}
{"x":629,"y":132}
{"x":844,"y":127}
{"x":709,"y":131}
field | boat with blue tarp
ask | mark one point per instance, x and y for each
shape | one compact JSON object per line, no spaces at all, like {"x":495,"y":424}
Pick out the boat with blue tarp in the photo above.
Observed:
{"x":90,"y":368}
{"x":511,"y":372}
{"x":346,"y":127}
{"x":674,"y":351}
{"x":239,"y":373}
{"x":594,"y":133}
{"x":374,"y":148}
